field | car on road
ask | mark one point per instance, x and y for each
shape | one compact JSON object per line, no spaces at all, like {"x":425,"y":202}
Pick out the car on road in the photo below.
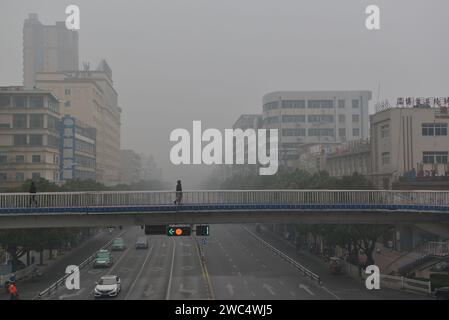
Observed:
{"x":118,"y":244}
{"x":141,"y":243}
{"x":442,"y":293}
{"x":103,"y":259}
{"x":108,"y":286}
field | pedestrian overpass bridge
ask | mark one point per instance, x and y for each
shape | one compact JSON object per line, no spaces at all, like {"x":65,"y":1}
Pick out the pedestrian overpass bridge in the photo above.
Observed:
{"x":81,"y":209}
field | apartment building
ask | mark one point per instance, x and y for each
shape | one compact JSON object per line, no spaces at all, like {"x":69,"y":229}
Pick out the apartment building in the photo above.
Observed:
{"x":29,"y":136}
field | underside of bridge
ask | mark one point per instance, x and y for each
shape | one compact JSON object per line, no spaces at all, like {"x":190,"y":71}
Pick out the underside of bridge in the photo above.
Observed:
{"x":79,"y":219}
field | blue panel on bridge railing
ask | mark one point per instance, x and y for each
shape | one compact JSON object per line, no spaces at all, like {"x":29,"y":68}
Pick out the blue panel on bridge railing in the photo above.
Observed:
{"x":220,"y":207}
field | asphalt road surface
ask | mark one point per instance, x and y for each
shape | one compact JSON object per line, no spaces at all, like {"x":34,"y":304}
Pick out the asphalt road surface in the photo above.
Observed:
{"x":235,"y":266}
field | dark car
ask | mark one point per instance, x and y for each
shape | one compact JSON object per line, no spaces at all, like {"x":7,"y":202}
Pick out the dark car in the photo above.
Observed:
{"x":442,"y":293}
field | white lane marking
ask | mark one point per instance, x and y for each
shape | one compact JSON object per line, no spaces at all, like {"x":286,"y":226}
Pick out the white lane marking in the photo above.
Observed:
{"x":264,"y":266}
{"x":269,"y":288}
{"x":230,"y":289}
{"x":156,"y":269}
{"x":139,"y":273}
{"x":292,"y":293}
{"x":306,"y":288}
{"x":70,"y":295}
{"x":281,"y":282}
{"x":234,"y":266}
{"x":183,"y":290}
{"x":253,"y":294}
{"x":187,"y":268}
{"x":239,"y":273}
{"x":167,"y":296}
{"x":330,"y":292}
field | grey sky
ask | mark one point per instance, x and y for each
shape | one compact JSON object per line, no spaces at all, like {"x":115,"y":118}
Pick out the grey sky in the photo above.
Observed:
{"x":178,"y":61}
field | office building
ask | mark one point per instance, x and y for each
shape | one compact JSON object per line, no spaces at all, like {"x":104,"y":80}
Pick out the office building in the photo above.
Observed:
{"x":90,"y":97}
{"x":323,"y":118}
{"x":409,"y":141}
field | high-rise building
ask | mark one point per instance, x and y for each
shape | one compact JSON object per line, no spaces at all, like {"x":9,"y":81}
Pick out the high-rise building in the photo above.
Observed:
{"x":312,"y":118}
{"x":47,"y":48}
{"x":90,"y":97}
{"x":29,"y":136}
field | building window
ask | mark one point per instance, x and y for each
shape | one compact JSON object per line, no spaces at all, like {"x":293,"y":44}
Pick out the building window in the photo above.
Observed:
{"x":53,"y":123}
{"x":67,"y":92}
{"x":36,"y":102}
{"x":297,"y":132}
{"x":293,"y":104}
{"x":355,"y":103}
{"x":3,"y":158}
{"x":270,"y":106}
{"x":20,"y":158}
{"x":36,"y":121}
{"x":294,"y":118}
{"x":5,"y":101}
{"x":67,"y":104}
{"x":3,"y":176}
{"x":316,"y":132}
{"x":341,"y":104}
{"x":20,"y":139}
{"x":269,"y":120}
{"x":36,"y":158}
{"x":53,"y":141}
{"x":20,"y":176}
{"x":341,"y":118}
{"x":355,"y":132}
{"x":434,"y":129}
{"x":20,"y":101}
{"x":342,"y":132}
{"x":19,"y":121}
{"x":385,"y":131}
{"x":435,"y":157}
{"x":320,"y":118}
{"x":36,"y":140}
{"x":355,"y":118}
{"x":385,"y":158}
{"x":35,"y":175}
{"x":323,"y":104}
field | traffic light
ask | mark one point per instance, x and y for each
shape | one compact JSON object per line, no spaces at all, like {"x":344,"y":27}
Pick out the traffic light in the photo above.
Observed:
{"x":202,"y":230}
{"x":178,"y":231}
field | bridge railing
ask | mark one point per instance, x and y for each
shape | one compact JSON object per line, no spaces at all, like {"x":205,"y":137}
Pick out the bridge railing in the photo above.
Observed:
{"x":137,"y":198}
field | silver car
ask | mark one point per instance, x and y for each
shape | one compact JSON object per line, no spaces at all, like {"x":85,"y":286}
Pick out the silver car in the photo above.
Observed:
{"x":108,"y":286}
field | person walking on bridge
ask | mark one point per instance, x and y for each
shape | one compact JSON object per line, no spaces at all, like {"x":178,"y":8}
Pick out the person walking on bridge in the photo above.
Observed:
{"x":33,"y":191}
{"x":178,"y":193}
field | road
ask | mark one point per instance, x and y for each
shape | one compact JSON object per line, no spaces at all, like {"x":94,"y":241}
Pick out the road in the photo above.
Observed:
{"x":236,"y":267}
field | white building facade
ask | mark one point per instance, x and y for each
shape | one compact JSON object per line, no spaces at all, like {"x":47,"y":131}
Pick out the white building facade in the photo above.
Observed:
{"x":315,"y":117}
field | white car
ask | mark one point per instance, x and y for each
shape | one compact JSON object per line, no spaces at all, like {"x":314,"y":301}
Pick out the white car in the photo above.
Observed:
{"x":108,"y":286}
